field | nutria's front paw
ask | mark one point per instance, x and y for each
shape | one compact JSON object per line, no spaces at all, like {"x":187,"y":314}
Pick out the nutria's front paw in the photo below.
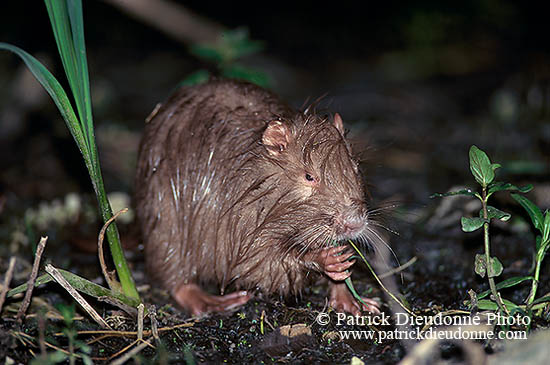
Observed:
{"x":342,"y":301}
{"x":333,"y":262}
{"x":193,"y":299}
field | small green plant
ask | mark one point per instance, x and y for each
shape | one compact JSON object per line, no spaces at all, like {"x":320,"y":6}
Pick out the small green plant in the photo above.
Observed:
{"x":486,"y":265}
{"x":541,"y":222}
{"x":68,"y":28}
{"x":225,"y":54}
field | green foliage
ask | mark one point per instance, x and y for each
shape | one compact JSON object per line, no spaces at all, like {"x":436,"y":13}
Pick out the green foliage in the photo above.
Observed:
{"x":471,"y":224}
{"x":82,"y":285}
{"x":225,"y":54}
{"x":481,"y":167}
{"x":541,"y":222}
{"x":68,"y":28}
{"x":506,"y":284}
{"x":483,"y":171}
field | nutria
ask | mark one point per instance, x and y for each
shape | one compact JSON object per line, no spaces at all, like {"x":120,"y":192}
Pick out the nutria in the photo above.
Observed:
{"x":234,"y":187}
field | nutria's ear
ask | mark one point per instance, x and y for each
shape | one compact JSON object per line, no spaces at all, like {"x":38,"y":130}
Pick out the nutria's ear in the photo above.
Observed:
{"x":338,"y":123}
{"x":276,"y":137}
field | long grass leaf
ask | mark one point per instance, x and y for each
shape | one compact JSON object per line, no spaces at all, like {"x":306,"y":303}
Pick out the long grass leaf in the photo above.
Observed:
{"x":52,"y":86}
{"x":59,"y":18}
{"x":77,"y":29}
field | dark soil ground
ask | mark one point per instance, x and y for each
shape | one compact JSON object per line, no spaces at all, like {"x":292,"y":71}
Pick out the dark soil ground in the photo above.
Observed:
{"x":417,"y":85}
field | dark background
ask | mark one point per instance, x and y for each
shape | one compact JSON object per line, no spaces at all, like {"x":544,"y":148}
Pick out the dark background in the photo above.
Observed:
{"x":423,"y":79}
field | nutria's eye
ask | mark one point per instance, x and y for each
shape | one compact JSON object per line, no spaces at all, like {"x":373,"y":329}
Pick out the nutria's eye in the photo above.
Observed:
{"x":309,"y":178}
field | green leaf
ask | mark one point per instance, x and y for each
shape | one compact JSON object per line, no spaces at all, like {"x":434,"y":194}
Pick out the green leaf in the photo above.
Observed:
{"x":533,"y":211}
{"x":495,"y":268}
{"x":493,"y":212}
{"x":80,"y":284}
{"x":354,"y":293}
{"x":486,"y":304}
{"x":546,"y":227}
{"x":480,"y":265}
{"x":538,"y":243}
{"x":541,"y":300}
{"x":68,"y":27}
{"x":471,"y":224}
{"x":501,"y":186}
{"x":467,"y":192}
{"x":52,"y":86}
{"x":481,"y":167}
{"x":506,"y":284}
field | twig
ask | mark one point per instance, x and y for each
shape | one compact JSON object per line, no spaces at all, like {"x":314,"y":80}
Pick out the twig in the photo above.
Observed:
{"x":117,"y":303}
{"x":7,"y":281}
{"x":101,"y":237}
{"x":399,"y":268}
{"x":129,"y":354}
{"x":32,"y":279}
{"x":141,"y":309}
{"x":76,"y":295}
{"x":154,"y":323}
{"x":129,"y":333}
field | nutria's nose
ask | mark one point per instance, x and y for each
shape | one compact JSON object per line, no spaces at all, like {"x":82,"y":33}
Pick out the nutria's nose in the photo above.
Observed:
{"x":349,"y":226}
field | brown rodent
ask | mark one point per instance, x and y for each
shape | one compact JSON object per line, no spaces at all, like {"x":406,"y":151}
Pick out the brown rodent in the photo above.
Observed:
{"x":234,"y":187}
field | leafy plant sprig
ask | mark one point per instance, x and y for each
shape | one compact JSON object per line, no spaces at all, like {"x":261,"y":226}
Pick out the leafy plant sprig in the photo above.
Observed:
{"x":541,"y":222}
{"x":68,"y":27}
{"x":484,"y":173}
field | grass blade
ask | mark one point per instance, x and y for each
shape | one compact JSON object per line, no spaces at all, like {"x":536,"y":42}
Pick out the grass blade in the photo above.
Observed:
{"x":79,"y":45}
{"x":59,"y":18}
{"x":52,"y":86}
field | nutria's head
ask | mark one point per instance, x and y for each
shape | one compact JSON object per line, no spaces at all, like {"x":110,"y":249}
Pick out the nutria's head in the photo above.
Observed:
{"x":316,"y":182}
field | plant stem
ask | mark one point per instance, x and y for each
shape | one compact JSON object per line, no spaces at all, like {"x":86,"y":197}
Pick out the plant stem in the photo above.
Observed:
{"x":488,"y":252}
{"x":535,"y":282}
{"x":124,"y":274}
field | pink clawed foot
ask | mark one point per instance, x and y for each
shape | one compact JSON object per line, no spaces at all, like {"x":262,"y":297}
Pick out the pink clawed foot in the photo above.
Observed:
{"x":342,"y":301}
{"x":333,"y":262}
{"x":193,"y":299}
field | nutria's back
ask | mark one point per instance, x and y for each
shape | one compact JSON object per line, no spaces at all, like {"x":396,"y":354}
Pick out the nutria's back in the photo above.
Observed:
{"x":222,"y":200}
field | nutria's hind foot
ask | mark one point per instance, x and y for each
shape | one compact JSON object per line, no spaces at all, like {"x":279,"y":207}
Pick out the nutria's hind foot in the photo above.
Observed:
{"x":197,"y":302}
{"x":342,"y":301}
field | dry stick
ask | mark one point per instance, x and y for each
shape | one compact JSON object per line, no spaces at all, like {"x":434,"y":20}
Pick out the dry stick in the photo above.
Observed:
{"x":398,"y":269}
{"x":7,"y":281}
{"x":76,"y":295}
{"x":154,"y":323}
{"x":114,"y":333}
{"x":132,"y":311}
{"x":129,"y":354}
{"x":108,"y":278}
{"x":32,"y":279}
{"x":141,"y":309}
{"x":126,"y":348}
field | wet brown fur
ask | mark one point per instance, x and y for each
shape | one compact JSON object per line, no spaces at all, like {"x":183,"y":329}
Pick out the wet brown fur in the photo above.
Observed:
{"x":216,"y":206}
